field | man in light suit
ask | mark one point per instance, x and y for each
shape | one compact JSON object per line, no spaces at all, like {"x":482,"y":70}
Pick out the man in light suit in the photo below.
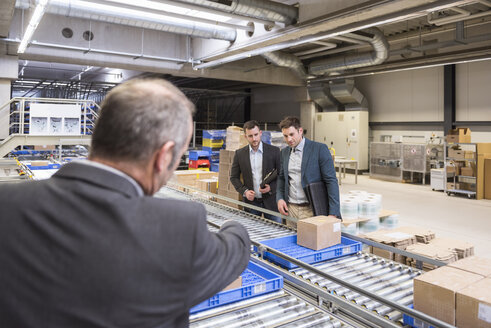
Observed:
{"x":254,"y":162}
{"x":303,"y":163}
{"x":90,"y":247}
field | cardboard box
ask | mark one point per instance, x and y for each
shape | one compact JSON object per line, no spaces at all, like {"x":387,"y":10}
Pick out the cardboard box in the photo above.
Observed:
{"x":467,"y":171}
{"x":483,"y":153}
{"x":434,"y":291}
{"x":319,"y":232}
{"x":456,"y":153}
{"x":39,"y":163}
{"x":45,"y":147}
{"x":459,"y":135}
{"x":382,"y":253}
{"x":469,"y":154}
{"x":235,"y":138}
{"x":463,"y":248}
{"x":229,"y":194}
{"x":473,"y":308}
{"x":487,"y":178}
{"x":227,"y":156}
{"x":237,"y":283}
{"x":451,"y":185}
{"x":209,"y":185}
{"x":474,"y":264}
{"x":190,"y":177}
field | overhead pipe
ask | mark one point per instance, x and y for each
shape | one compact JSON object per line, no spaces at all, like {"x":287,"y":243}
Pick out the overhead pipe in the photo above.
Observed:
{"x":261,"y":9}
{"x":284,"y":59}
{"x":379,"y":54}
{"x":138,"y":18}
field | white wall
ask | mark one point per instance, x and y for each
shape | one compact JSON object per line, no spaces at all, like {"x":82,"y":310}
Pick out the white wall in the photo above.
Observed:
{"x":417,"y":96}
{"x":473,"y":97}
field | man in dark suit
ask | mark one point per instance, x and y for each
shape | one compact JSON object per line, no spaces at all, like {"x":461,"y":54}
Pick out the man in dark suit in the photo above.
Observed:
{"x":90,"y":247}
{"x":303,"y":163}
{"x":254,"y":162}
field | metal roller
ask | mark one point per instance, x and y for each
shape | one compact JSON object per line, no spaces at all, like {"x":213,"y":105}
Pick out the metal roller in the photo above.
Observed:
{"x":355,"y":280}
{"x":330,"y":269}
{"x":384,"y":309}
{"x":394,"y":316}
{"x":374,"y":288}
{"x":316,"y":321}
{"x":343,"y":291}
{"x":229,"y":307}
{"x":386,"y":291}
{"x":372,"y":305}
{"x":326,"y":264}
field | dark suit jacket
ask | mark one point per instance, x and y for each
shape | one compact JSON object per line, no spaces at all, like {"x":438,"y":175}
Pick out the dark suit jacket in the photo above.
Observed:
{"x":82,"y":249}
{"x":242,"y":165}
{"x":317,"y":165}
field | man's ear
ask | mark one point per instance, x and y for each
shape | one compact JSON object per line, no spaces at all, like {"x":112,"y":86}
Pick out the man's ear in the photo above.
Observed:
{"x":164,"y":156}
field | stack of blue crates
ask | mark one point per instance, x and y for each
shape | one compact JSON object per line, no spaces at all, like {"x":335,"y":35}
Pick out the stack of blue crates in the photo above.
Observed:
{"x":212,"y":138}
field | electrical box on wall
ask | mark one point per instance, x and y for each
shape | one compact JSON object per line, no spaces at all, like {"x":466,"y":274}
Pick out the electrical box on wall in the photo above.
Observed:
{"x":347,"y":132}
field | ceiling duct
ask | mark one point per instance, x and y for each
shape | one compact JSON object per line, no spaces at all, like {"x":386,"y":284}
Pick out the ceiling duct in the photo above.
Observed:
{"x":340,"y":63}
{"x":347,"y":94}
{"x":260,"y":9}
{"x":319,"y":93}
{"x":87,"y":10}
{"x":284,"y":59}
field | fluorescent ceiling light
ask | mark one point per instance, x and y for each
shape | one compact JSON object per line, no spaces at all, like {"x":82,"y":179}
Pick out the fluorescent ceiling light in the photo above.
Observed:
{"x":33,"y":24}
{"x":173,"y":9}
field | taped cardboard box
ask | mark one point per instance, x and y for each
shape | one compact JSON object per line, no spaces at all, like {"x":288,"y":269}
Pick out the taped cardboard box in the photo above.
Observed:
{"x":318,"y":232}
{"x":209,"y":185}
{"x":463,"y":248}
{"x":473,"y":308}
{"x":459,"y":135}
{"x":474,"y":264}
{"x":435,"y":291}
{"x":40,"y":163}
{"x":431,"y":251}
{"x":422,"y":235}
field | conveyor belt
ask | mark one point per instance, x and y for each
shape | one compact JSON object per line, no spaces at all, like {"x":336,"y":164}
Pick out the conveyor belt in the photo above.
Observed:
{"x":391,"y":280}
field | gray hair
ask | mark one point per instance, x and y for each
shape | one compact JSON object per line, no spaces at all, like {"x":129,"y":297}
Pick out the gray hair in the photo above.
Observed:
{"x":140,"y":116}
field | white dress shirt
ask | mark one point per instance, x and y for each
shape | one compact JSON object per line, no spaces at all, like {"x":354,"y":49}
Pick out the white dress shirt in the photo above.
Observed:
{"x":296,"y":194}
{"x":256,"y":158}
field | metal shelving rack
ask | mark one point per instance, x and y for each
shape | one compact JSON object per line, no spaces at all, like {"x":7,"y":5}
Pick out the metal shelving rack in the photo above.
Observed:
{"x":459,"y":177}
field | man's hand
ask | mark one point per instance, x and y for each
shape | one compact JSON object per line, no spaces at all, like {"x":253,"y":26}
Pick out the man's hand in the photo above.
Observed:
{"x":250,"y":195}
{"x":265,"y":190}
{"x":282,"y":207}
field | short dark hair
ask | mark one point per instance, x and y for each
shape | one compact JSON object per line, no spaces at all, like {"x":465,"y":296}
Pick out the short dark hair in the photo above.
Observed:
{"x":289,"y":121}
{"x":249,"y":125}
{"x":138,"y":117}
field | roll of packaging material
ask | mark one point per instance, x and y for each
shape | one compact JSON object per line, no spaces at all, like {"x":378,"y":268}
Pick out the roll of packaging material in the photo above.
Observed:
{"x":349,"y":208}
{"x":350,"y":228}
{"x":373,"y":224}
{"x":390,"y":222}
{"x":369,"y":208}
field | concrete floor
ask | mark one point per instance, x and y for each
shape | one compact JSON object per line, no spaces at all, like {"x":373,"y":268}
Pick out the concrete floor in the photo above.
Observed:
{"x":448,"y":216}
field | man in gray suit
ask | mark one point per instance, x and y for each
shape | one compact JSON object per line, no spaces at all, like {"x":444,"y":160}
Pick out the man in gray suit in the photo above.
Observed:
{"x":254,"y":162}
{"x":90,"y":247}
{"x":303,"y":163}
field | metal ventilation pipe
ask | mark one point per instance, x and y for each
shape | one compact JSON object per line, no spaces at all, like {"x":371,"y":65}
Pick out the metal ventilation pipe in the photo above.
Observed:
{"x":379,"y":54}
{"x":83,"y":9}
{"x":284,"y":59}
{"x":261,"y":9}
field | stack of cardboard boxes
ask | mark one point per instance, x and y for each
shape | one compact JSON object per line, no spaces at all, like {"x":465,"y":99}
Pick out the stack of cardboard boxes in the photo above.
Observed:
{"x":235,"y":138}
{"x":459,"y":293}
{"x":225,"y":187}
{"x":191,"y":177}
{"x":394,"y":238}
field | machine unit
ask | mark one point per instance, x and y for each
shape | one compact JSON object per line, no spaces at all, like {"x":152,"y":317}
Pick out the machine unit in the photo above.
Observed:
{"x":347,"y":132}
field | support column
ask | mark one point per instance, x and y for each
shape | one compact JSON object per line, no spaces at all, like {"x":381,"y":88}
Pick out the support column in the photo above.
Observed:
{"x":9,"y":67}
{"x":448,"y":98}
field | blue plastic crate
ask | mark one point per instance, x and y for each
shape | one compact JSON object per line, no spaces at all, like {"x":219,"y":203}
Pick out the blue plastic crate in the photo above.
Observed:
{"x":213,"y":149}
{"x":256,"y":280}
{"x":50,"y":166}
{"x":266,"y":137}
{"x":214,"y":134}
{"x":288,"y":245}
{"x":194,"y":155}
{"x":410,"y":321}
{"x":214,"y":167}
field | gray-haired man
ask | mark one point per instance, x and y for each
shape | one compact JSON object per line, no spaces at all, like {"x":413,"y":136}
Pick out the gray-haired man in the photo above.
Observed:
{"x":90,"y":248}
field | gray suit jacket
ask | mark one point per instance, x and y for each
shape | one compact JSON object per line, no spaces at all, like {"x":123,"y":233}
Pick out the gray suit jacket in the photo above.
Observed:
{"x":82,"y":249}
{"x":317,"y":165}
{"x":242,"y":165}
